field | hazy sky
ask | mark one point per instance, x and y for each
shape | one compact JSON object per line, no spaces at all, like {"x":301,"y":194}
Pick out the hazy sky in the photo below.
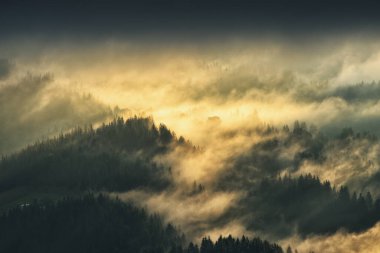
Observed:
{"x":190,"y":19}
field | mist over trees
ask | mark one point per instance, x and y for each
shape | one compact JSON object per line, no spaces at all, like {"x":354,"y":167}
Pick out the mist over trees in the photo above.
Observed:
{"x":114,"y":157}
{"x":286,"y":150}
{"x":120,"y":156}
{"x":278,"y":204}
{"x":307,"y":206}
{"x":245,"y":81}
{"x":277,"y":151}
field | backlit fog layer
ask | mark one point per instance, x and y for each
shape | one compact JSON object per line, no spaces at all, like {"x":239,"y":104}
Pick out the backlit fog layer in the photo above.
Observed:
{"x":219,"y":95}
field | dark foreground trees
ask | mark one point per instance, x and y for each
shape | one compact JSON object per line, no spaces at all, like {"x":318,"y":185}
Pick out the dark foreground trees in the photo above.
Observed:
{"x":87,"y":224}
{"x":230,"y":245}
{"x":101,"y":224}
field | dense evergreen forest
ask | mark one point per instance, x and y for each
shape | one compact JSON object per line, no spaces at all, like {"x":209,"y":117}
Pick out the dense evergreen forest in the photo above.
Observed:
{"x":114,"y":157}
{"x":101,"y":224}
{"x":281,"y":206}
{"x":309,"y":205}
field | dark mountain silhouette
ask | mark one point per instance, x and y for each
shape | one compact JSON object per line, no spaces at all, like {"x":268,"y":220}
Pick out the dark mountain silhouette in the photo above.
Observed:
{"x":114,"y":157}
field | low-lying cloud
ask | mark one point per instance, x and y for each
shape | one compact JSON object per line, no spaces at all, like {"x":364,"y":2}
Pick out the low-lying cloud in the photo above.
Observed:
{"x":341,"y":242}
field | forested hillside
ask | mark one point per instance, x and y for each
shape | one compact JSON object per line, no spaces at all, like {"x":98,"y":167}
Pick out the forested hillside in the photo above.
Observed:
{"x":114,"y":157}
{"x":307,"y":206}
{"x":282,"y":199}
{"x":87,"y":224}
{"x":279,"y":199}
{"x":100,"y":224}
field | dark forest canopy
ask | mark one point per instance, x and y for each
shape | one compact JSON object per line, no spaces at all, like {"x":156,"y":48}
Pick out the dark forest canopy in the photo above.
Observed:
{"x":306,"y":206}
{"x":100,"y":224}
{"x":114,"y":157}
{"x":87,"y":224}
{"x":232,"y":245}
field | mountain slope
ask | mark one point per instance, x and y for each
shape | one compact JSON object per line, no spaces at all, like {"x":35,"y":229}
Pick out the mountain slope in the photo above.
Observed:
{"x":118,"y":156}
{"x":87,"y":224}
{"x":115,"y":157}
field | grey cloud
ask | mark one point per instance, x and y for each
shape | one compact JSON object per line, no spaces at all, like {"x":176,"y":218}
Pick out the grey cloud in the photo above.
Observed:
{"x":358,"y":93}
{"x":5,"y":68}
{"x":354,"y":93}
{"x":33,"y":108}
{"x":239,"y":83}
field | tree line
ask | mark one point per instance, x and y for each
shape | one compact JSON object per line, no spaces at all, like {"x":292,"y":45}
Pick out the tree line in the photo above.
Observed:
{"x":97,"y":223}
{"x":280,"y":205}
